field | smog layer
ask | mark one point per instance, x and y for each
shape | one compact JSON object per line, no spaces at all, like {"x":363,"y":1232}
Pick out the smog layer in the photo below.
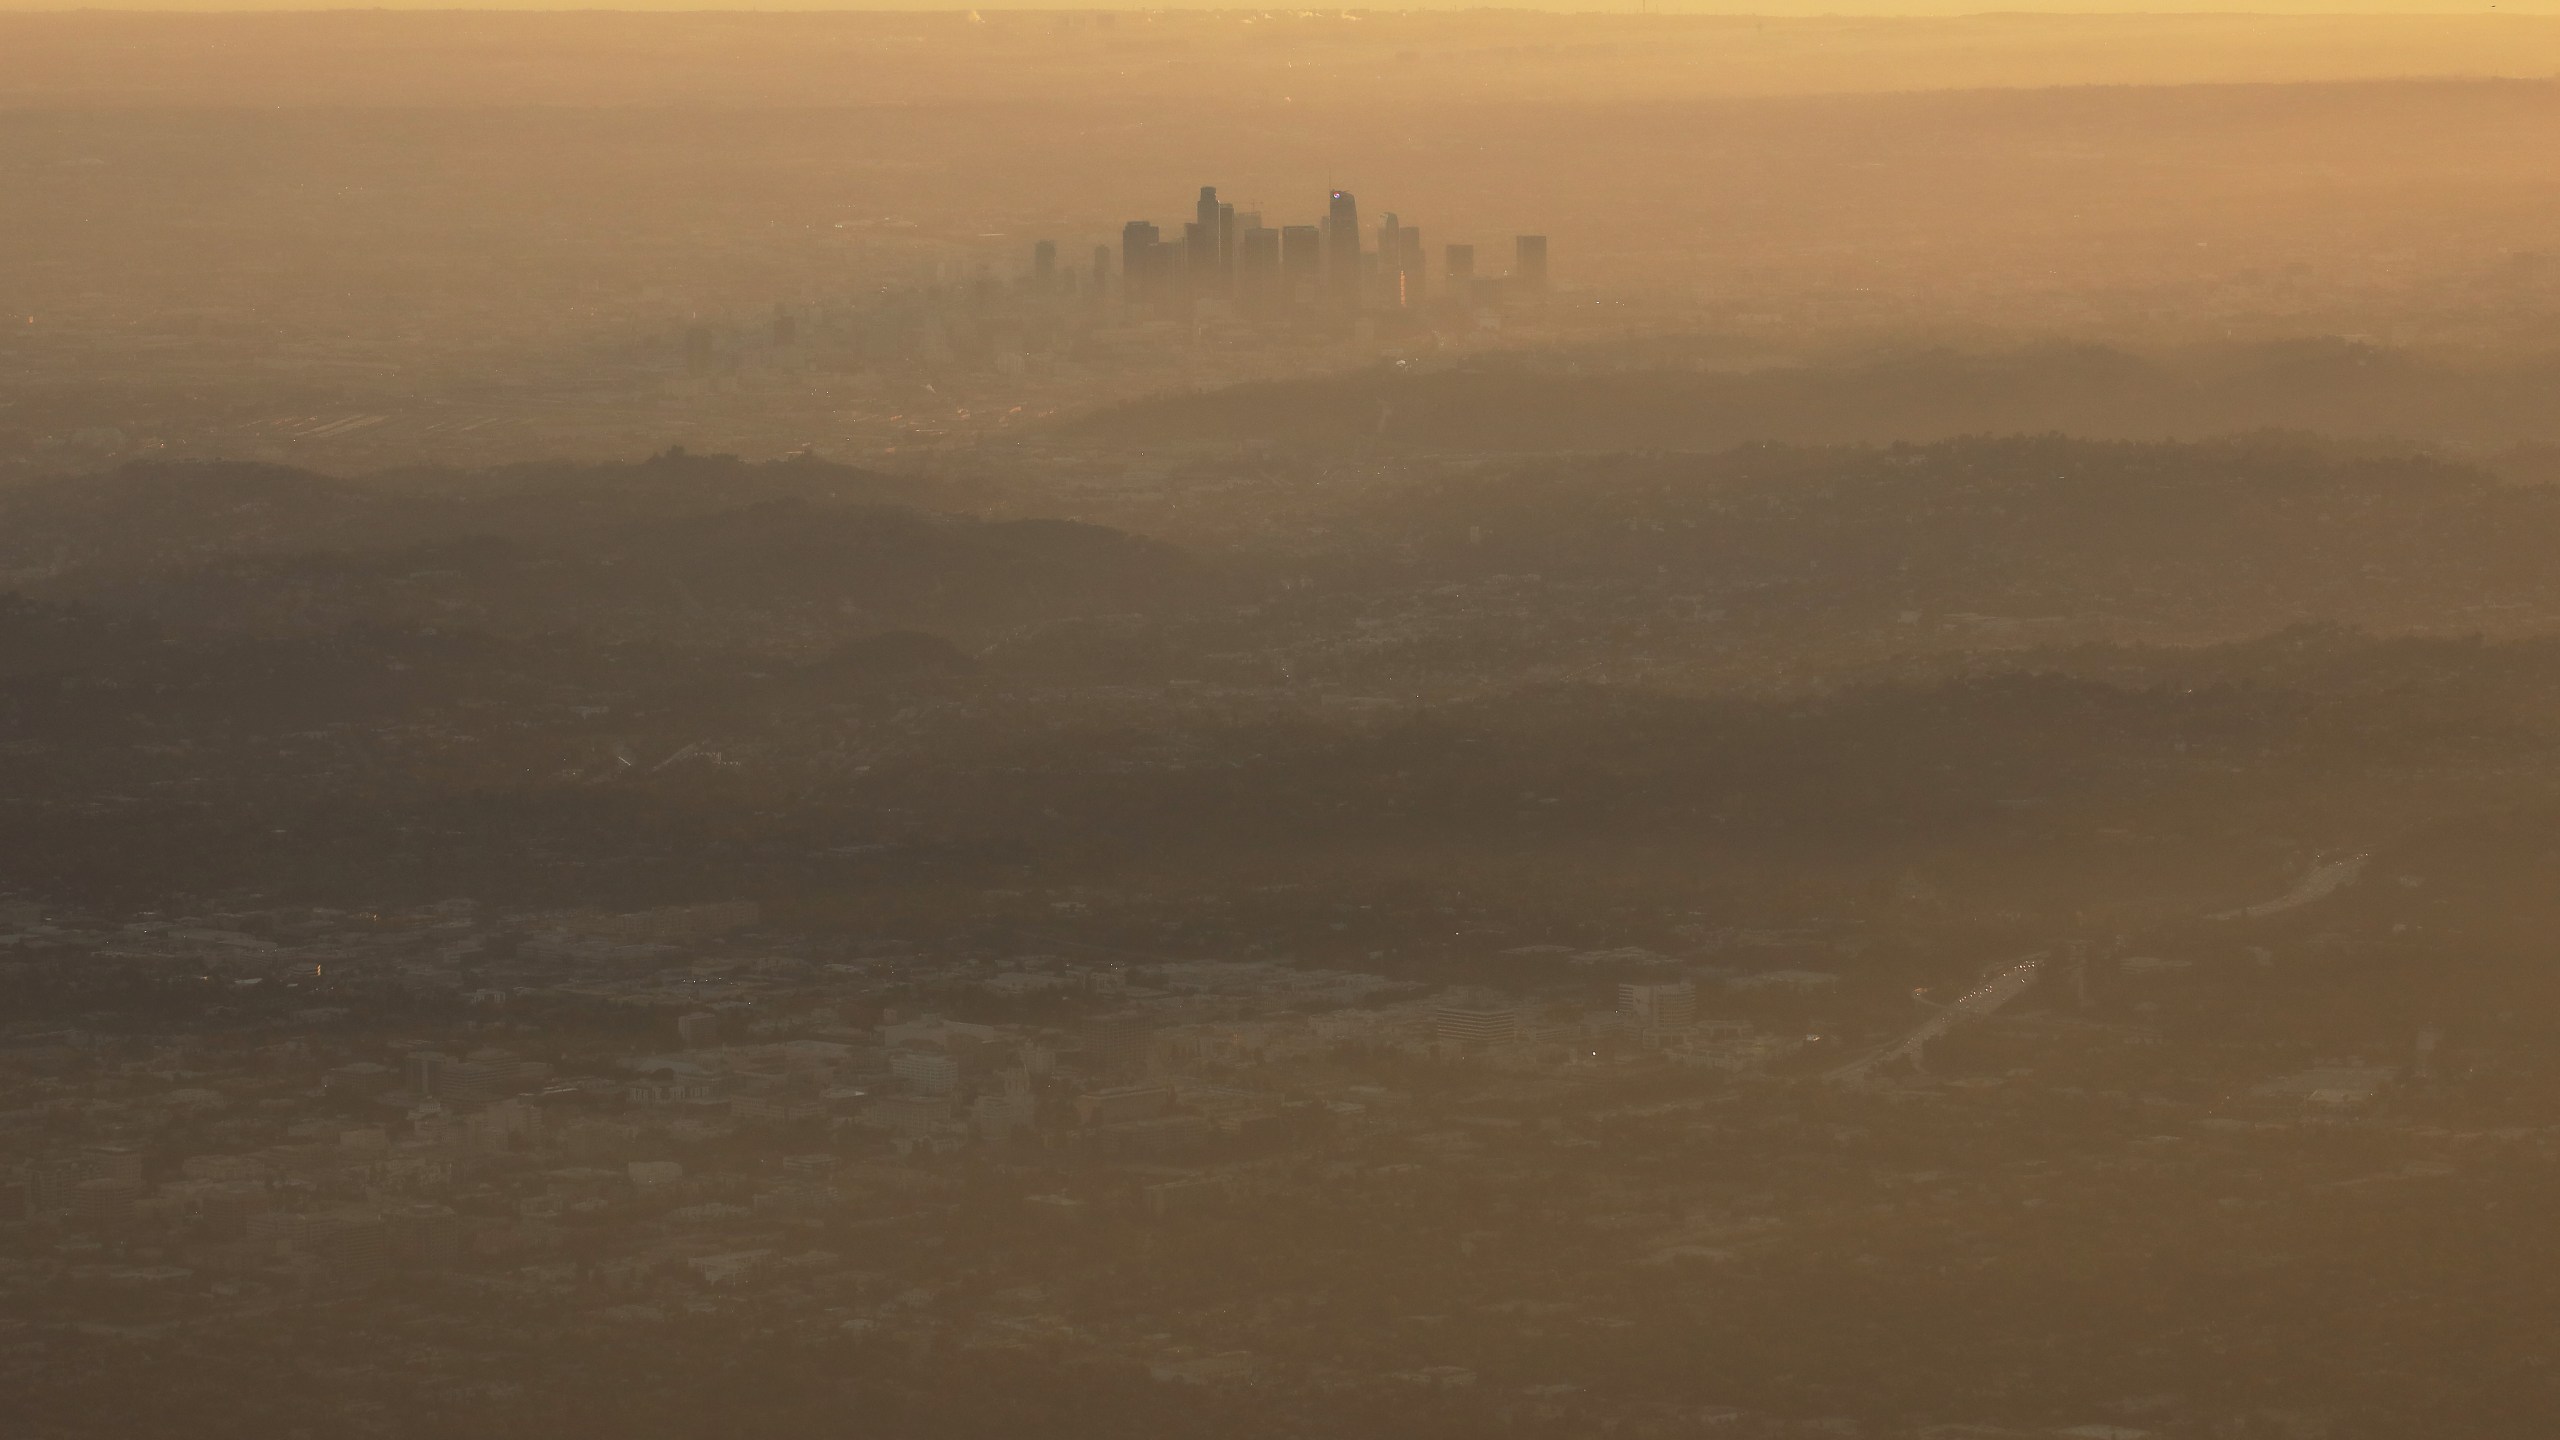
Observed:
{"x":1270,"y":724}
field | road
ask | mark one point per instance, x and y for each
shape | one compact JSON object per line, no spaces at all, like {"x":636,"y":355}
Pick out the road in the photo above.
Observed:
{"x":2325,"y":879}
{"x":1984,"y":999}
{"x":2004,"y":985}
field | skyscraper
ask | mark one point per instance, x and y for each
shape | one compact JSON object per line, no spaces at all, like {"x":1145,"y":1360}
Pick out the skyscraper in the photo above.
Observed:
{"x":1135,"y":237}
{"x":1399,"y":263}
{"x":1044,"y":266}
{"x":1259,"y":284}
{"x":1301,"y":262}
{"x":1202,"y":241}
{"x":1342,"y":250}
{"x":1529,"y":263}
{"x":1226,"y":252}
{"x":1199,"y":256}
{"x":1141,"y":261}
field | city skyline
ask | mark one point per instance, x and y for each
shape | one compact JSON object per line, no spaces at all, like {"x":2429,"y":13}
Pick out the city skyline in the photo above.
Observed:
{"x":855,"y":724}
{"x":1224,"y":254}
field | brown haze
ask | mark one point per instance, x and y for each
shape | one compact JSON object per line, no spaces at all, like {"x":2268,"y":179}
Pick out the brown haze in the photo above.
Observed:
{"x":417,"y":194}
{"x":691,"y":746}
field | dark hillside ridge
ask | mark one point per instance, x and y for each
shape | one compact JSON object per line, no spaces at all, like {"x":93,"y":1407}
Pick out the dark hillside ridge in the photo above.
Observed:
{"x":797,"y":556}
{"x":152,"y":513}
{"x":1563,"y":402}
{"x":2254,"y":534}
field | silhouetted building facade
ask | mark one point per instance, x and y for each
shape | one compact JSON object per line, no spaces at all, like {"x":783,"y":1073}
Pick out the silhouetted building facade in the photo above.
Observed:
{"x":1342,"y":250}
{"x":1529,"y":264}
{"x":1269,"y":271}
{"x":1400,"y":276}
{"x":1259,"y":285}
{"x":1202,"y":240}
{"x":1301,"y":262}
{"x":1143,"y":263}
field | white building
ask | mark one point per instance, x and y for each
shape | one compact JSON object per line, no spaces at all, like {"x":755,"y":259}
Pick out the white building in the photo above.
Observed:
{"x":927,"y":1072}
{"x":1475,"y":1019}
{"x":1672,"y":1006}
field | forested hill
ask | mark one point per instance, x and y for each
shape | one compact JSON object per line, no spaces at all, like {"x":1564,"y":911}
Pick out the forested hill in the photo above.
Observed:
{"x":793,"y":555}
{"x":156,"y":513}
{"x":2247,"y":535}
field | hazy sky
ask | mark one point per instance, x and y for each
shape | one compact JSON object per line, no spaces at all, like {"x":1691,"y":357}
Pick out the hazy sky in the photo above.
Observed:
{"x":1701,"y":7}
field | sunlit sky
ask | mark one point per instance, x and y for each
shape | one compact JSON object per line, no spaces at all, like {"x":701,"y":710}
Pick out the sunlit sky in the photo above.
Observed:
{"x":1685,"y":7}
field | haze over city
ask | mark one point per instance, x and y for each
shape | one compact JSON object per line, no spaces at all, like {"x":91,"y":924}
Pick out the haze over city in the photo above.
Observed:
{"x":1706,"y":720}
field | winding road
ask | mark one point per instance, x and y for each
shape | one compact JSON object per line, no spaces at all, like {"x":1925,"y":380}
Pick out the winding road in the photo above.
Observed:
{"x":1999,"y":987}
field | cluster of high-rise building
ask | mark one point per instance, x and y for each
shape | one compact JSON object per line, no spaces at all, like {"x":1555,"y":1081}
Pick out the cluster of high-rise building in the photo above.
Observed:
{"x":1228,"y":255}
